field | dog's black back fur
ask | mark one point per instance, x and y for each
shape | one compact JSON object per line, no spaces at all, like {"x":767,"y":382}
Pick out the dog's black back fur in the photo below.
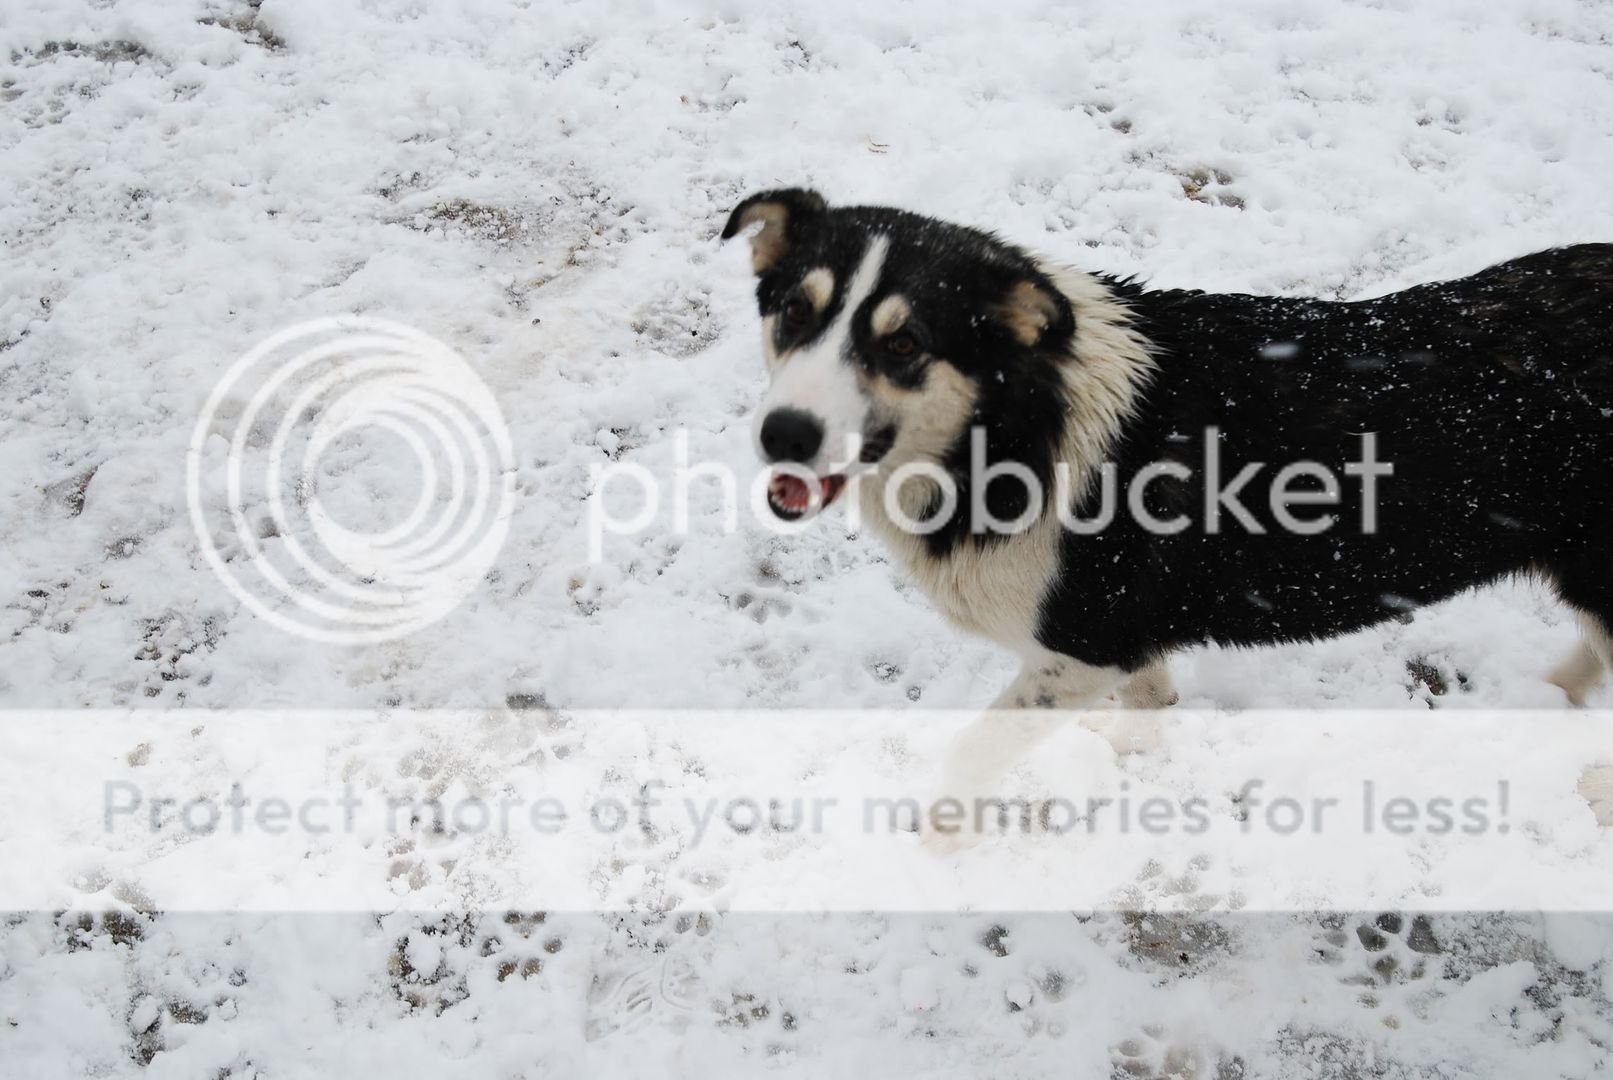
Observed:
{"x":1491,"y":396}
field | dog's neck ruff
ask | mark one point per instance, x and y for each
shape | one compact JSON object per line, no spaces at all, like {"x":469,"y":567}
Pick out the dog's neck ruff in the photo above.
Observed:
{"x":1110,"y":366}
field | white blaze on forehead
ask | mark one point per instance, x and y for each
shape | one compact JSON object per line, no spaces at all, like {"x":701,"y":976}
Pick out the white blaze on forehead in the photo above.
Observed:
{"x":819,"y":378}
{"x":866,"y":277}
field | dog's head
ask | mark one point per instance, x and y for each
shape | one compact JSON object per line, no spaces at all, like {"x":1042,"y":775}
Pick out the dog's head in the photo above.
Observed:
{"x":887,"y":336}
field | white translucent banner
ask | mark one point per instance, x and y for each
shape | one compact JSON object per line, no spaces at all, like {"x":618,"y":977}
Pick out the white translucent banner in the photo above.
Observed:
{"x":771,"y":810}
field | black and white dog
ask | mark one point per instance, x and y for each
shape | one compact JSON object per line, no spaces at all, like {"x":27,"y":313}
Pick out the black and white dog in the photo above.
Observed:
{"x":1094,"y":473}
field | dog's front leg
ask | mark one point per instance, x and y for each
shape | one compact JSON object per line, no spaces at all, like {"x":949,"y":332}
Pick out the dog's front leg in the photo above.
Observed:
{"x":1134,"y":727}
{"x":1032,"y":707}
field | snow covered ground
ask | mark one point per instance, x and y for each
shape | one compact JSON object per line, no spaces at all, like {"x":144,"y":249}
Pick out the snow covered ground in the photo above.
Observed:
{"x":539,"y":187}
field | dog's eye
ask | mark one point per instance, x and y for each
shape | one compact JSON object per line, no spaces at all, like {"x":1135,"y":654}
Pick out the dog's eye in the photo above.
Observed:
{"x":902,"y":345}
{"x":797,"y":312}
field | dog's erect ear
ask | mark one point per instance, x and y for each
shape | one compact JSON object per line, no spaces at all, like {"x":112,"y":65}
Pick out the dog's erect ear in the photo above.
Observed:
{"x":783,"y":215}
{"x":1035,"y":313}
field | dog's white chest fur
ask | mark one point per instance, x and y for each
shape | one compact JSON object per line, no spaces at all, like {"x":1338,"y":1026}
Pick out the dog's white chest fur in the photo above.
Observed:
{"x":994,"y":589}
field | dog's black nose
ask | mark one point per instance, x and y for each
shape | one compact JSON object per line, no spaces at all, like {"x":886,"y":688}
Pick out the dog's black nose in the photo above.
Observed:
{"x":791,"y":435}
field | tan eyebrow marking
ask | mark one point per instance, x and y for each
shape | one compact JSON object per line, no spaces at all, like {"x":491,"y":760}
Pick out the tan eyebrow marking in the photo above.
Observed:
{"x":889,"y":315}
{"x":819,"y":286}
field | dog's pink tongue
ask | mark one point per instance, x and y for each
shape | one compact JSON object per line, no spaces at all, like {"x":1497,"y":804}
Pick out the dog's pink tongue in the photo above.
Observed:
{"x":792,"y":491}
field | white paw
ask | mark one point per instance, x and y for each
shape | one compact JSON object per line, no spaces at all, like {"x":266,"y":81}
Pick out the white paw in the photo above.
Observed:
{"x":1596,"y":787}
{"x":1131,"y":697}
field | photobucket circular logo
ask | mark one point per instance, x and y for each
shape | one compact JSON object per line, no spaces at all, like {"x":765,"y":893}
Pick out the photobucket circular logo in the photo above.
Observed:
{"x":350,"y":479}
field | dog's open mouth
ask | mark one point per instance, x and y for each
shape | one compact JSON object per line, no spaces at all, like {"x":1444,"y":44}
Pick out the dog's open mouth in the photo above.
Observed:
{"x":791,"y":496}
